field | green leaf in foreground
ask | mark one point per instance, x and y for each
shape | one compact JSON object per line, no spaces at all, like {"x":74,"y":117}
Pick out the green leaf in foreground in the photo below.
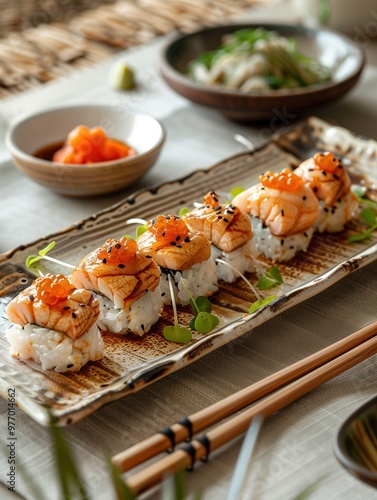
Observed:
{"x":123,"y":492}
{"x":258,"y":304}
{"x":70,"y":481}
{"x":270,"y":278}
{"x":177,"y":333}
{"x":33,"y":259}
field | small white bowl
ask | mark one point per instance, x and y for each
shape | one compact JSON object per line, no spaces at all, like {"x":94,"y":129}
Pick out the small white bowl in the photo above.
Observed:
{"x":139,"y":130}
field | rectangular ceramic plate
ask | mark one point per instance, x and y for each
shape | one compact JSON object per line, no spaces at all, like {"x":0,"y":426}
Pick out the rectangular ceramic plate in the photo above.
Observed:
{"x":131,"y":363}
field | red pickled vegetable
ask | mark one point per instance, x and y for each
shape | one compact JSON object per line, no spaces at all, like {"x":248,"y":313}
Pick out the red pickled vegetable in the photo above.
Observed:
{"x":84,"y":145}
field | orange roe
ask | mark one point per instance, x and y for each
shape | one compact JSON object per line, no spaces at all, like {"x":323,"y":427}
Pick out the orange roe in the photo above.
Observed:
{"x":118,"y":251}
{"x":327,"y":162}
{"x":284,"y":180}
{"x":169,"y":229}
{"x":51,"y":289}
{"x":85,"y":145}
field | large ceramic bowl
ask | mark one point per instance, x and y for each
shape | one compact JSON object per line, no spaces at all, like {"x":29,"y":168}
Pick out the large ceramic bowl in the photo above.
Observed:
{"x":140,"y":130}
{"x":344,"y":59}
{"x":355,"y":444}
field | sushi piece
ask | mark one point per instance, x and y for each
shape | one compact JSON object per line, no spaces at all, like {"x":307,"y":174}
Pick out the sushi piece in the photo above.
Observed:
{"x":126,"y":283}
{"x":183,"y":253}
{"x":331,"y":184}
{"x":283,"y":210}
{"x":230,"y":233}
{"x":55,"y":325}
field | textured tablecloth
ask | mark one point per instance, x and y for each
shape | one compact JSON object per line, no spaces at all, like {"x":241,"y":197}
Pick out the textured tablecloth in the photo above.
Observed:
{"x":295,"y":446}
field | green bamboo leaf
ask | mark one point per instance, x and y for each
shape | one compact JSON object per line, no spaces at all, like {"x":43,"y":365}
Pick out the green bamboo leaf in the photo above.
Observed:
{"x":203,"y":304}
{"x":49,"y":247}
{"x":140,"y":230}
{"x":123,"y":492}
{"x":235,"y":191}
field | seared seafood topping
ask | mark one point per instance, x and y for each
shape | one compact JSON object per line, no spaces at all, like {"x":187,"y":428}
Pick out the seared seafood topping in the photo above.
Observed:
{"x":51,"y":288}
{"x":327,"y":162}
{"x":284,"y":181}
{"x":118,"y":251}
{"x":168,"y":229}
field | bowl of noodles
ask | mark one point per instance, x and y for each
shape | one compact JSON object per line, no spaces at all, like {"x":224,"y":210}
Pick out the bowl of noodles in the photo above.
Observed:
{"x":250,"y":72}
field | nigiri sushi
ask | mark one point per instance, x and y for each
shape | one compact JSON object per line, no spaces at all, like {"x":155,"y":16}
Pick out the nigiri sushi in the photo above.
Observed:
{"x":183,"y":253}
{"x":283,"y":210}
{"x":126,"y":283}
{"x":331,"y":184}
{"x":55,"y":325}
{"x":230,"y":233}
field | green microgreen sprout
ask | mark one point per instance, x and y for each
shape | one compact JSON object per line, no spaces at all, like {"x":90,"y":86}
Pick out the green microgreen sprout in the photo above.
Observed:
{"x":203,"y":321}
{"x":367,"y":215}
{"x":42,"y":254}
{"x":140,"y":229}
{"x":176,"y":332}
{"x":259,"y":303}
{"x":183,"y":211}
{"x":236,"y":191}
{"x":270,"y":278}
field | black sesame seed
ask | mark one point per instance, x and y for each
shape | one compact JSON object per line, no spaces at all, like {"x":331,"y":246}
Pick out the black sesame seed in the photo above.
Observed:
{"x":163,"y":234}
{"x":326,"y":209}
{"x":187,"y":239}
{"x":74,"y":315}
{"x":262,"y":188}
{"x":70,"y":365}
{"x":304,"y":197}
{"x":315,"y":189}
{"x":339,"y":200}
{"x":109,"y":249}
{"x":118,"y":246}
{"x":226,"y":220}
{"x":163,"y":294}
{"x":167,"y":217}
{"x":281,"y":242}
{"x":218,"y":207}
{"x":104,"y":261}
{"x":340,"y":166}
{"x":282,"y":212}
{"x":173,"y":243}
{"x":333,"y":210}
{"x":291,"y":247}
{"x":306,"y":235}
{"x":67,"y":308}
{"x":336,"y":177}
{"x":177,"y":238}
{"x":311,"y":169}
{"x":324,"y":172}
{"x":142,"y":326}
{"x":121,"y":266}
{"x":148,"y":256}
{"x":153,"y":221}
{"x":178,"y":246}
{"x":31,"y":297}
{"x":219,"y":217}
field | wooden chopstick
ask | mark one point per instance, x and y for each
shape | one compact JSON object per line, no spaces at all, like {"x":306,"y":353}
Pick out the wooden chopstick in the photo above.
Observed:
{"x":213,"y":414}
{"x":200,"y":447}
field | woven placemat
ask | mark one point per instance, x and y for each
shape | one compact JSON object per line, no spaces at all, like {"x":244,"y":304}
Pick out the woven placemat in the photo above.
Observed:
{"x":38,"y":54}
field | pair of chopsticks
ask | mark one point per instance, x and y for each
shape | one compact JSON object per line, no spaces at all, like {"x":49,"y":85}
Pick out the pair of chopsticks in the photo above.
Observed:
{"x":277,"y":390}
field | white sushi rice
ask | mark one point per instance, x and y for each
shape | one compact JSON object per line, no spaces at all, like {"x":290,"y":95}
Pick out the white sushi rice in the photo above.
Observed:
{"x":201,"y":280}
{"x":243,"y":259}
{"x":278,"y":248}
{"x":54,"y":350}
{"x":333,"y":218}
{"x":137,"y":319}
